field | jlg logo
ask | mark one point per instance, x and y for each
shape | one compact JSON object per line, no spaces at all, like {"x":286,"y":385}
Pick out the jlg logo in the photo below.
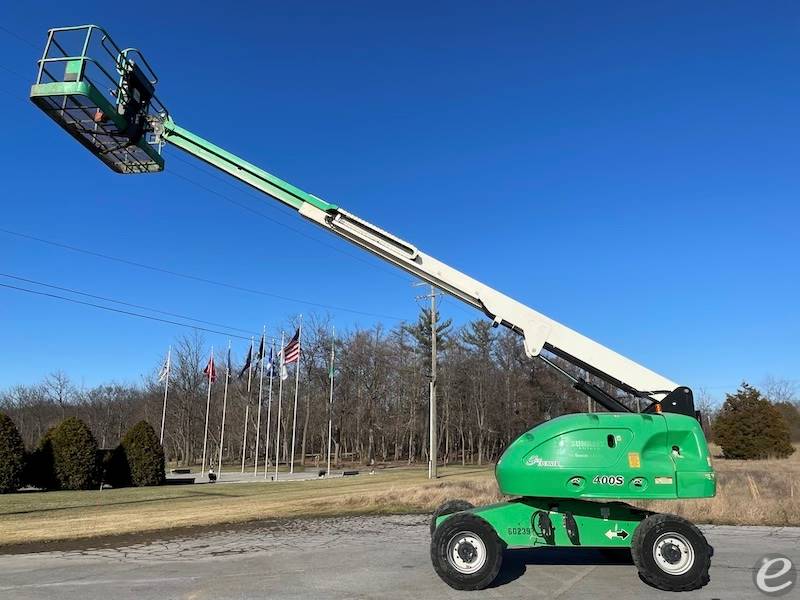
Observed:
{"x":609,"y":480}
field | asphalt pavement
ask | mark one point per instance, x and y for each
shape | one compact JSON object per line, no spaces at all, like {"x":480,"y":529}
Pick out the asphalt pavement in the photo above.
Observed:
{"x":355,"y":557}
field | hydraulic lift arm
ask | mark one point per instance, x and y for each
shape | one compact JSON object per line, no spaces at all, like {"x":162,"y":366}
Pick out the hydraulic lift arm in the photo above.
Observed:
{"x":539,"y":332}
{"x":104,"y":96}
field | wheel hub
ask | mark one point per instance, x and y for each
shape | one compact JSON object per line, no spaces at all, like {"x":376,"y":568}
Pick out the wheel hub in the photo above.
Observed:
{"x":673,"y":553}
{"x":466,"y":552}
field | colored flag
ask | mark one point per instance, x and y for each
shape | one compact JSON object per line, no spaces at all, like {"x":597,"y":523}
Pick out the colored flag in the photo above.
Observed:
{"x":291,"y":352}
{"x":210,"y":371}
{"x":247,"y":361}
{"x":270,"y":364}
{"x":260,"y":354}
{"x":164,"y":372}
{"x":284,"y":372}
{"x":228,"y":366}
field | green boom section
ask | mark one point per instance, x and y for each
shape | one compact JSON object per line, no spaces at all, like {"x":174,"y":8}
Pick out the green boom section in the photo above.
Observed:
{"x":240,"y":168}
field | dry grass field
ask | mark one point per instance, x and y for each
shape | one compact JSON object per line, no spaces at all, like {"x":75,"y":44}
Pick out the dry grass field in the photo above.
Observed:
{"x":36,"y":517}
{"x":749,"y":493}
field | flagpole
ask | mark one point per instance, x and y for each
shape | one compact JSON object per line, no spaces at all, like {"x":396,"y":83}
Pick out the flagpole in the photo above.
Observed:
{"x":166,"y":388}
{"x":208,"y":407}
{"x":269,"y":406}
{"x":330,"y":399}
{"x":280,"y":397}
{"x":260,"y":388}
{"x":296,"y":386}
{"x":247,"y":407}
{"x":224,"y":409}
{"x":244,"y":436}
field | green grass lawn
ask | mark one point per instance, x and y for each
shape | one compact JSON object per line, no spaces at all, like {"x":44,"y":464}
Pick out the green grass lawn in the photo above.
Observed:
{"x":35,"y":517}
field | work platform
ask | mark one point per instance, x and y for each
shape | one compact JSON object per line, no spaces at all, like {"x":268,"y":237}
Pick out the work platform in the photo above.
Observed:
{"x":102,"y":95}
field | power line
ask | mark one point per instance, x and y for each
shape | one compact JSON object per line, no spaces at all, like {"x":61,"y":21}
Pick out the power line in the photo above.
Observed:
{"x":264,"y":216}
{"x":235,"y":202}
{"x":226,"y":181}
{"x":13,"y":72}
{"x":120,"y":311}
{"x":193,"y":277}
{"x":106,"y":299}
{"x":20,"y":38}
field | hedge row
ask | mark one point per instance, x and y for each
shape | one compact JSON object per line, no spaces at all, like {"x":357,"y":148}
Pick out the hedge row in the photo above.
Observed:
{"x":67,"y":458}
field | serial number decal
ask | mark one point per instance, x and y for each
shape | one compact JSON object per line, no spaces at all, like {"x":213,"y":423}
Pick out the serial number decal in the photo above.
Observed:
{"x":609,"y":480}
{"x":519,"y":531}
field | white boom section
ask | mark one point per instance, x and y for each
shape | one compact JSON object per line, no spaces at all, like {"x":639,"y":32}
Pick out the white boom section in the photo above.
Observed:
{"x":539,"y":331}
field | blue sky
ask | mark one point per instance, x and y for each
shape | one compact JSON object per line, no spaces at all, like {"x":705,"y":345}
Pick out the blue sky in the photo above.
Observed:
{"x":629,"y":170}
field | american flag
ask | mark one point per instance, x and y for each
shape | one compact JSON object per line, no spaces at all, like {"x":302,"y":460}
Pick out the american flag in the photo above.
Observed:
{"x":291,"y":352}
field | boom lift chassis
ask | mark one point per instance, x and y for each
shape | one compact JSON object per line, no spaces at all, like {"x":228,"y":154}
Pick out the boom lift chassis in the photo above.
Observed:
{"x":565,"y":477}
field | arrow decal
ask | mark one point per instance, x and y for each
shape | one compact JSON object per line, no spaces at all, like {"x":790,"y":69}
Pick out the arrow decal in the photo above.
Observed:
{"x":616,"y":533}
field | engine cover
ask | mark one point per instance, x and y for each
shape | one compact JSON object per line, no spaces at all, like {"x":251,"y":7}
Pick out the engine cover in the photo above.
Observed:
{"x":610,"y":455}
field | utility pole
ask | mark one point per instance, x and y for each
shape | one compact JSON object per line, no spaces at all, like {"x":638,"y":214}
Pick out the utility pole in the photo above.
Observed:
{"x":432,"y":436}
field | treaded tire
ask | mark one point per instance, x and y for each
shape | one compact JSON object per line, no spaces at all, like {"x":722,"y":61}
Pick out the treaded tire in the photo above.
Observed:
{"x":644,"y":540}
{"x":448,"y":508}
{"x":466,"y":523}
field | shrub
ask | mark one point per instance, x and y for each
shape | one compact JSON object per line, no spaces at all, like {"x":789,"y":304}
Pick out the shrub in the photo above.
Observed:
{"x":12,"y":456}
{"x":114,"y":467}
{"x":750,"y":427}
{"x":144,"y":455}
{"x":74,"y":455}
{"x":39,"y":469}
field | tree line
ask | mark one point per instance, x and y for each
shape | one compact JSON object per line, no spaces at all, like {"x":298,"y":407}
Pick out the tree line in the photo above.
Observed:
{"x":489,"y":392}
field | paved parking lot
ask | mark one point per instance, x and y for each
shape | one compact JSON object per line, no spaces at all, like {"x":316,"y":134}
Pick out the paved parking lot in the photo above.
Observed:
{"x":356,"y":557}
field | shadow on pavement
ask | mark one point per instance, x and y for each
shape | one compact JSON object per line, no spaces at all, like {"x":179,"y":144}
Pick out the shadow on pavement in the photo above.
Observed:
{"x":515,"y":562}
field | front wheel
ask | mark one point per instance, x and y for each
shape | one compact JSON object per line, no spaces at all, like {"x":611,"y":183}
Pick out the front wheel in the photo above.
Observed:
{"x":671,"y":554}
{"x":466,"y":552}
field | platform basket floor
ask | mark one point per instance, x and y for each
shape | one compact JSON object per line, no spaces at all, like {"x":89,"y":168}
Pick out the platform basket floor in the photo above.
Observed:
{"x":76,"y":115}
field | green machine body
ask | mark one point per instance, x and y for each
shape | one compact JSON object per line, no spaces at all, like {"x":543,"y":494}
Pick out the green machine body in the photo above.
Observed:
{"x":610,"y":456}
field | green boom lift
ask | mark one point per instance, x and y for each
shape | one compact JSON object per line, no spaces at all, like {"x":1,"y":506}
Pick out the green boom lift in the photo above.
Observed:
{"x":565,"y":477}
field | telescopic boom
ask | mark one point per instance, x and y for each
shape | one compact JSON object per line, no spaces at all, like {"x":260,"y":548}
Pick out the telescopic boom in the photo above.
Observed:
{"x":128,"y":131}
{"x":539,"y":332}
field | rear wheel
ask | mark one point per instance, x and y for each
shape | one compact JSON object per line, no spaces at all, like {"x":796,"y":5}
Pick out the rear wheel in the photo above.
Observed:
{"x":466,"y":552}
{"x":448,"y":508}
{"x":671,"y":553}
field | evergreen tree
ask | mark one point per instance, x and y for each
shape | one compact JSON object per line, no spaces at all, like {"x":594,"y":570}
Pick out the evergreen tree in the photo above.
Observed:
{"x":421,"y":332}
{"x":75,"y":455}
{"x":750,"y":427}
{"x":791,"y":415}
{"x":144,"y":455}
{"x":39,"y":467}
{"x":12,"y":456}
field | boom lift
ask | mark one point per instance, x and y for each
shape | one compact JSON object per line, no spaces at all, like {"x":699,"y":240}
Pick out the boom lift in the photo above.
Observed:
{"x":566,"y":475}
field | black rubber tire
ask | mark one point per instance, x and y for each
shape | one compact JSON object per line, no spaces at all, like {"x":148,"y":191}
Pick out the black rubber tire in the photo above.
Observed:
{"x":644,"y":539}
{"x":448,"y":508}
{"x":474,"y":525}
